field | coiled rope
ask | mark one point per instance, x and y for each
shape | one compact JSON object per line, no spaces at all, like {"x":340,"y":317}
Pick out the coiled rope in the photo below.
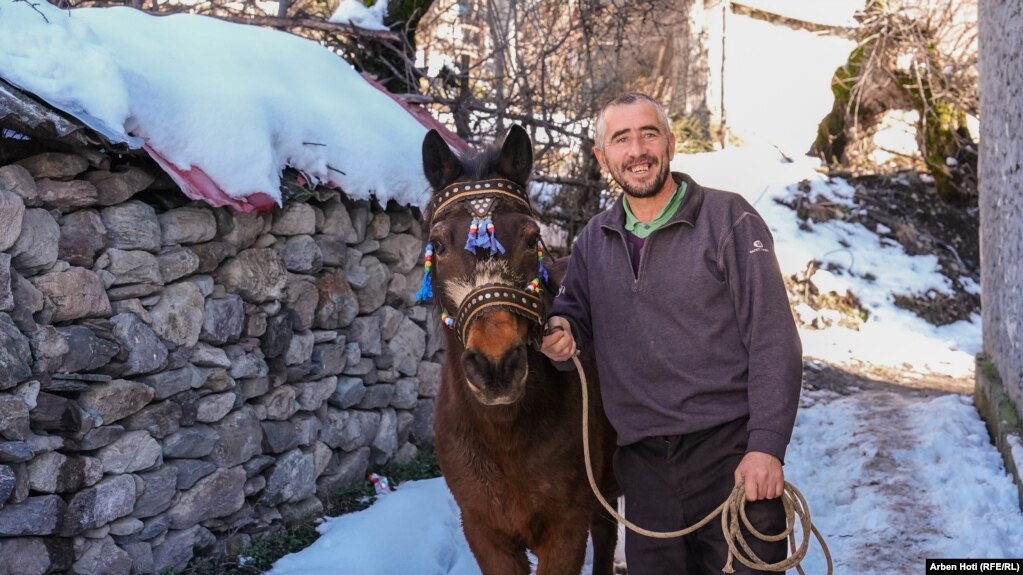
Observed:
{"x":731,"y":511}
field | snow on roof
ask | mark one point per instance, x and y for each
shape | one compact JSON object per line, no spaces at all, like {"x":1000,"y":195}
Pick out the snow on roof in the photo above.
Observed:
{"x":355,"y":13}
{"x":223,"y":107}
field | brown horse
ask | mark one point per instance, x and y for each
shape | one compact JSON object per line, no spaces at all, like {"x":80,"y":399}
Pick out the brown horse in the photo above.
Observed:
{"x":508,"y":423}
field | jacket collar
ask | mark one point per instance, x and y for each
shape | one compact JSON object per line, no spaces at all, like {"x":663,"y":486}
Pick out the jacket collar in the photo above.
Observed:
{"x":687,"y":212}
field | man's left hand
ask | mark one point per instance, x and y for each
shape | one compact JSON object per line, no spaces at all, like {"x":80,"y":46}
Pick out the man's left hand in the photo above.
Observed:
{"x":763,"y":475}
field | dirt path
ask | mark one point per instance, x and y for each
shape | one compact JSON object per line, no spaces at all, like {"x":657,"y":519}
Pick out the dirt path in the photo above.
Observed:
{"x":902,"y":530}
{"x":908,"y":537}
{"x":854,"y":377}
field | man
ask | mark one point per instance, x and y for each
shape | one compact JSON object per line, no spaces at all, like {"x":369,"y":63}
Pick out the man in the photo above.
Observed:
{"x":678,"y":290}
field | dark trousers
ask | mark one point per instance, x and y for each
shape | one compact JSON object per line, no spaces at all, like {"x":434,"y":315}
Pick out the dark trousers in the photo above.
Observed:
{"x":673,"y":482}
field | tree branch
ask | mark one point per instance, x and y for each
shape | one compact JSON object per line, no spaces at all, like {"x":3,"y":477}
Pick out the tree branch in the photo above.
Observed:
{"x":505,"y":113}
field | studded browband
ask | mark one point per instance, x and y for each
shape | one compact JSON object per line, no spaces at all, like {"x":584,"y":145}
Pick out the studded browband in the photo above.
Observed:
{"x":480,"y":195}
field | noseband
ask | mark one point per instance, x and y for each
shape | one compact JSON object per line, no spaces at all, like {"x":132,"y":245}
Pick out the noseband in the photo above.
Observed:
{"x":479,"y":199}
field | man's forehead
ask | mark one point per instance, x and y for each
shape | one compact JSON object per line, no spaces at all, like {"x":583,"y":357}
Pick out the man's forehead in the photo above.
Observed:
{"x":635,"y":115}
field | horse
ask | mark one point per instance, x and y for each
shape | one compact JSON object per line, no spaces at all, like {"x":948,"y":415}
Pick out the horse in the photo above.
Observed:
{"x":507,"y":422}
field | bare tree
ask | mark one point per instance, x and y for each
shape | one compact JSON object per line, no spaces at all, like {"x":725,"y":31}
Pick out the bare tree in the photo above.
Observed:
{"x":549,"y":66}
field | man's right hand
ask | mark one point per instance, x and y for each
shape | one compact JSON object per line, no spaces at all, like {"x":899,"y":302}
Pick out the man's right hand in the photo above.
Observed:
{"x":558,"y":343}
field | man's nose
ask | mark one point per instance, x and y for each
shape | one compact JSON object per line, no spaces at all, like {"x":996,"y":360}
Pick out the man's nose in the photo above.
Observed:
{"x":636,"y":148}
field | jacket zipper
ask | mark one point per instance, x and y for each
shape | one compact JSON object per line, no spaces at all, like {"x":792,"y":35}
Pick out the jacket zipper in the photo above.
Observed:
{"x":642,"y":252}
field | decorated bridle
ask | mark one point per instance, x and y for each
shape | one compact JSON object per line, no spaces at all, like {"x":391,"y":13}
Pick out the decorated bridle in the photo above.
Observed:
{"x":479,"y":199}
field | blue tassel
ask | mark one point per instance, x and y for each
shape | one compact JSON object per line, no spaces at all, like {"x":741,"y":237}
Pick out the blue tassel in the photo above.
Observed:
{"x":495,"y":246}
{"x":544,"y":276}
{"x":426,"y":291}
{"x":482,"y":237}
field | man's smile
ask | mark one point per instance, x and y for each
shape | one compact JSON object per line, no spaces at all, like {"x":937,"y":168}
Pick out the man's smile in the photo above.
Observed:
{"x":641,"y":166}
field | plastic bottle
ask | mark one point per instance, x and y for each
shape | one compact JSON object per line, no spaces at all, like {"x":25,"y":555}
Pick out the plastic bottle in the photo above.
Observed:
{"x":380,"y":484}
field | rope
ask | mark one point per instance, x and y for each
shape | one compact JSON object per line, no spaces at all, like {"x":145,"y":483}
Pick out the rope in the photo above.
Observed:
{"x":731,"y":510}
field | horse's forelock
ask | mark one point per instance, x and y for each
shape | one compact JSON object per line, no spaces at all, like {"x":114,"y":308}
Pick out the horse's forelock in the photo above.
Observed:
{"x":478,"y":164}
{"x":481,"y":164}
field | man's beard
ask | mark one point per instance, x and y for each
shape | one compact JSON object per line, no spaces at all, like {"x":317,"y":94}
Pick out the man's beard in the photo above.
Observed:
{"x":647,"y":191}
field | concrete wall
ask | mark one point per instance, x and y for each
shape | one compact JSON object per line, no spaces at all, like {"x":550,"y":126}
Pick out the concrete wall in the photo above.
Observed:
{"x":1001,"y":189}
{"x":176,"y":377}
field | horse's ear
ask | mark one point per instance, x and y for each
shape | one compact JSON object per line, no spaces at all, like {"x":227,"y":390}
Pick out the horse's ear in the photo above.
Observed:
{"x":516,"y":161}
{"x":440,"y":164}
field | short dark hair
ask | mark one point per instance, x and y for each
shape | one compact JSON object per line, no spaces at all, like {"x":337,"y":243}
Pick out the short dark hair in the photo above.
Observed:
{"x":624,"y":99}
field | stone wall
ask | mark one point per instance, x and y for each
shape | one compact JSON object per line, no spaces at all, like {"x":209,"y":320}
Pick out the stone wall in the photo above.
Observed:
{"x":175,"y":377}
{"x":1001,"y":189}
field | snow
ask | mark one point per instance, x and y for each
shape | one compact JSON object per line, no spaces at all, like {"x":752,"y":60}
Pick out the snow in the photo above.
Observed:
{"x":777,"y":81}
{"x":914,"y":491}
{"x":237,"y":102}
{"x":427,"y":539}
{"x":356,"y":13}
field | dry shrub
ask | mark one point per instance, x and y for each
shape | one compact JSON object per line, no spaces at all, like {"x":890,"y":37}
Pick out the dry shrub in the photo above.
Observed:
{"x":918,"y":56}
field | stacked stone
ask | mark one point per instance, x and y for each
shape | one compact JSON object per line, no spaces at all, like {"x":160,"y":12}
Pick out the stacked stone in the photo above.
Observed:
{"x":183,"y":379}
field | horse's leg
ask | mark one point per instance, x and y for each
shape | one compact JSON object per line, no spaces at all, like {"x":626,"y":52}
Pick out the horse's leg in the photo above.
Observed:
{"x":562,"y":551}
{"x":495,"y":552}
{"x":604,"y":532}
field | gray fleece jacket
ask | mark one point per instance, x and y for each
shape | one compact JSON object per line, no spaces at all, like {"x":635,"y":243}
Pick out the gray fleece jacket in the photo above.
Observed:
{"x":701,"y":336}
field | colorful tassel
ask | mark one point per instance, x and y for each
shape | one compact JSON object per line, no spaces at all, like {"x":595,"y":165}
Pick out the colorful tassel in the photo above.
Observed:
{"x":541,"y":268}
{"x":485,"y":237}
{"x":447,"y":319}
{"x":483,"y":234}
{"x":534,"y":286}
{"x":426,"y":290}
{"x":495,"y":246}
{"x":470,"y":243}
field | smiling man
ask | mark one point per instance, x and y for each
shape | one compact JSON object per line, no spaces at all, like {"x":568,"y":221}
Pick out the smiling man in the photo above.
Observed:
{"x":677,"y":289}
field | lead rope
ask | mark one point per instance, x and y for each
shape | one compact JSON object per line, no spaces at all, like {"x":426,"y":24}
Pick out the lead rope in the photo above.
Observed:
{"x":733,"y":508}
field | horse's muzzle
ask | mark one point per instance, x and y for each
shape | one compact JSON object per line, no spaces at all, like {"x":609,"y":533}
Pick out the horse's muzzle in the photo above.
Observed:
{"x":495,"y":360}
{"x":500,"y":383}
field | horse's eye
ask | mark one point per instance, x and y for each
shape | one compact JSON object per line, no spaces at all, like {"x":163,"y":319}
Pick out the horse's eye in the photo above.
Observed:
{"x":531,"y":241}
{"x":438,"y":247}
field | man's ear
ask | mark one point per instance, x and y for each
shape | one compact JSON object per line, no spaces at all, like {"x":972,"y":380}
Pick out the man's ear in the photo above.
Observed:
{"x":516,"y":160}
{"x":599,"y":153}
{"x":440,"y":164}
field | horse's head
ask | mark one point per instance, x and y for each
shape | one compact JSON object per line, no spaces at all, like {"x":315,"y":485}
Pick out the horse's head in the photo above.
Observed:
{"x":485,"y":261}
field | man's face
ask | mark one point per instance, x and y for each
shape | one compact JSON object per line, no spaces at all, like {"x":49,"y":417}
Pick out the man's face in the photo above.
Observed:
{"x":636,"y":149}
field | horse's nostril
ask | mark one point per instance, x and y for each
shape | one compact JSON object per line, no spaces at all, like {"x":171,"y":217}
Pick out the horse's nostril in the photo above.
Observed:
{"x":514,"y":364}
{"x":478,"y":369}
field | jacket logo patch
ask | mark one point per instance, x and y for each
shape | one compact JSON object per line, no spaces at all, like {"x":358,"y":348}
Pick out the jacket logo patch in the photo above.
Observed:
{"x":758,"y":246}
